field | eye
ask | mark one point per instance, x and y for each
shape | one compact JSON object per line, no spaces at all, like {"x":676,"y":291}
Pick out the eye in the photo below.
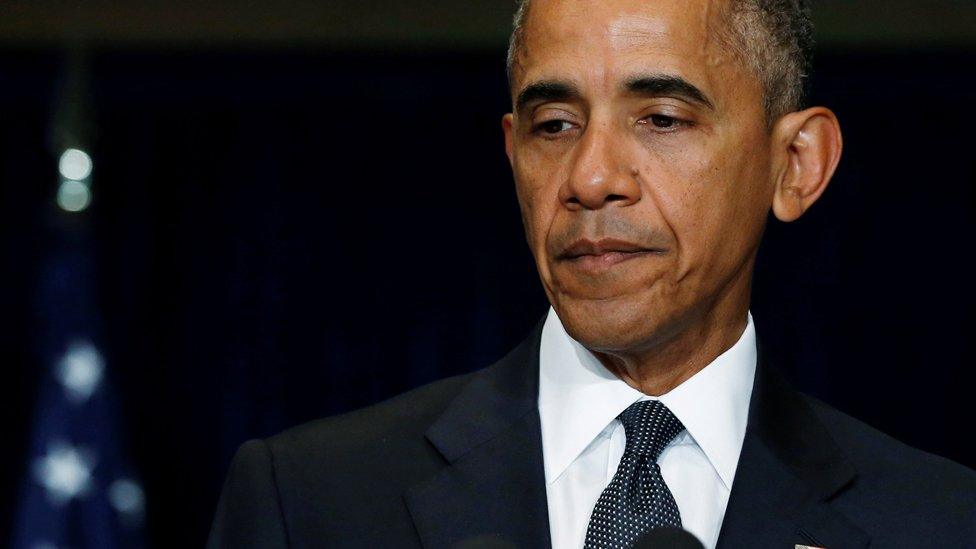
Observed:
{"x":552,"y":127}
{"x":663,"y":122}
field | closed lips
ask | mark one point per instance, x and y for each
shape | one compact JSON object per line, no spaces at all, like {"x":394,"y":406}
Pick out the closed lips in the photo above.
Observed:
{"x":582,"y":248}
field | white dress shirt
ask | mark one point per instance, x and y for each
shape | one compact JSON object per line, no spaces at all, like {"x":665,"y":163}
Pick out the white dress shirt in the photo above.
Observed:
{"x":583,"y":442}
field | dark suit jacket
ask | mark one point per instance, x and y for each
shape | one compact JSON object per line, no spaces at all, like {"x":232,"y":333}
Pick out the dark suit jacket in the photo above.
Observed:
{"x":458,"y":463}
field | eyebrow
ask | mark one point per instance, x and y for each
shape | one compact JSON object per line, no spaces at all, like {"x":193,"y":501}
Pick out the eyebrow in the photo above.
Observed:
{"x":649,"y":85}
{"x":658,"y":85}
{"x":545,"y":91}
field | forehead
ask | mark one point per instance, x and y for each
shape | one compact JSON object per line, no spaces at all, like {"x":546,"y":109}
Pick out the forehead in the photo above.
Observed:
{"x":601,"y":42}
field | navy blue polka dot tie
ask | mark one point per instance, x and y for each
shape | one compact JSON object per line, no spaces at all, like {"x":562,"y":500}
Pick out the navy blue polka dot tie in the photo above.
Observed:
{"x":637,"y":499}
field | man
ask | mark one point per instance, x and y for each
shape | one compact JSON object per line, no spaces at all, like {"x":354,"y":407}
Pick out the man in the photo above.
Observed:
{"x":649,"y":139}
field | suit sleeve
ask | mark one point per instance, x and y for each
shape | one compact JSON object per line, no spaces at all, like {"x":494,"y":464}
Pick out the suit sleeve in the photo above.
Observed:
{"x":249,"y":512}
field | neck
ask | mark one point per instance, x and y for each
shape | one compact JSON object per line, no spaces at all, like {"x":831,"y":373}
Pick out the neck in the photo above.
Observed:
{"x":694,"y":343}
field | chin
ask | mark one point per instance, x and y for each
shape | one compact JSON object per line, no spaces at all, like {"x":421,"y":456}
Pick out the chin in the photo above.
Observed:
{"x":614,"y":325}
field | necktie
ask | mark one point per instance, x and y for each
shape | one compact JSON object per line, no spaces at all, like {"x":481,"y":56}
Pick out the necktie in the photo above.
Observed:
{"x":637,"y":499}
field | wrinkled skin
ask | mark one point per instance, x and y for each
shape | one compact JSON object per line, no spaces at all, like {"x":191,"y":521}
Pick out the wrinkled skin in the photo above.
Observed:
{"x":686,"y":183}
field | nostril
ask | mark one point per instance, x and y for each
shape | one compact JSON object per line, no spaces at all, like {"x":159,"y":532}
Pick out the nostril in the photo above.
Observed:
{"x":616,"y":198}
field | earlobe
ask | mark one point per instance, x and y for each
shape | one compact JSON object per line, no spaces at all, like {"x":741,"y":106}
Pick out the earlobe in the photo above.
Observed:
{"x":508,"y":128}
{"x":810,"y":144}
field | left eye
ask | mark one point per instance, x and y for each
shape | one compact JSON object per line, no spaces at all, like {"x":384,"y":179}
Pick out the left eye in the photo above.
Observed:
{"x":662,"y":121}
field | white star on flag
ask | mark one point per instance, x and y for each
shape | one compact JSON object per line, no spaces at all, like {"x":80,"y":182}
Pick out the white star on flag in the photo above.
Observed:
{"x":80,"y":370}
{"x":65,"y":472}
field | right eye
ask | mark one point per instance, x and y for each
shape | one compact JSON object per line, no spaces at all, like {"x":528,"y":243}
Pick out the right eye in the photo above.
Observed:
{"x":552,"y":127}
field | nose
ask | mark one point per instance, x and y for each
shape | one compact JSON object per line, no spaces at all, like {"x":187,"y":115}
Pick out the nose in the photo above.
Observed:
{"x":600,"y":174}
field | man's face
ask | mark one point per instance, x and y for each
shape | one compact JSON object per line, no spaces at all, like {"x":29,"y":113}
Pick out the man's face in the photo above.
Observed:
{"x":642,"y":164}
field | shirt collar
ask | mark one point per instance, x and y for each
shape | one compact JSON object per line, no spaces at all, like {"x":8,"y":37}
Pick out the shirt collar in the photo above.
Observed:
{"x":579,"y":398}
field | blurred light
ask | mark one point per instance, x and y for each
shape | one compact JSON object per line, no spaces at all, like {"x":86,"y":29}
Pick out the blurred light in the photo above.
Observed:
{"x":73,"y":196}
{"x":65,"y":472}
{"x":80,"y":370}
{"x":75,"y":164}
{"x":126,"y":497}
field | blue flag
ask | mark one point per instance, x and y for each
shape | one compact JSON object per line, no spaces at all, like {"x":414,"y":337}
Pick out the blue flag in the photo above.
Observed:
{"x":79,"y":490}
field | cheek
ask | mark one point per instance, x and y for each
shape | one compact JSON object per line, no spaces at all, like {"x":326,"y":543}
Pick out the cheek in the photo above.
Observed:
{"x":537,"y":201}
{"x":711,"y":202}
{"x":678,"y":183}
{"x":743,"y":197}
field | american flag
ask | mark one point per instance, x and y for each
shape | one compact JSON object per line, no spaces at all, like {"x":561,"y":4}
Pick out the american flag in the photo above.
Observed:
{"x":79,"y":490}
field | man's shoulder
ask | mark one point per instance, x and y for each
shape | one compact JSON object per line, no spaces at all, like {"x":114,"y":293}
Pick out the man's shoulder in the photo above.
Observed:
{"x":387,"y":423}
{"x":317,"y":482}
{"x":889,"y":470}
{"x":338,"y":474}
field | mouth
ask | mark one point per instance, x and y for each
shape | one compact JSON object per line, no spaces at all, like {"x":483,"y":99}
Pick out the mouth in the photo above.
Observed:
{"x":603,"y":254}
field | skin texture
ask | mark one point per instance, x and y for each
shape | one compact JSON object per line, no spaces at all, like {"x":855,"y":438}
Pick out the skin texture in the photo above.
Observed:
{"x":688,"y":185}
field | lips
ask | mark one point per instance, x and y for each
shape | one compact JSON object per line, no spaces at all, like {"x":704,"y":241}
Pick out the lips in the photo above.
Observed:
{"x":604,"y":253}
{"x":582,"y":248}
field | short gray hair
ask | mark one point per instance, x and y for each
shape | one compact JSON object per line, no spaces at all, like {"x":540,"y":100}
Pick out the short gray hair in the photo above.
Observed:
{"x":773,"y":37}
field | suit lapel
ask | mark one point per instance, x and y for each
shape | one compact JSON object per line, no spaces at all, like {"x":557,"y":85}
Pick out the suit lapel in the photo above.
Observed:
{"x":493,"y":488}
{"x":788,"y":470}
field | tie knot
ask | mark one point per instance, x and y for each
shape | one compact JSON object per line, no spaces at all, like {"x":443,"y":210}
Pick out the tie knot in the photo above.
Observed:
{"x":649,"y":427}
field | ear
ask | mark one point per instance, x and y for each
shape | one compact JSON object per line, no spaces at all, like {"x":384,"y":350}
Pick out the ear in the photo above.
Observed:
{"x":508,"y":123}
{"x":809,"y":143}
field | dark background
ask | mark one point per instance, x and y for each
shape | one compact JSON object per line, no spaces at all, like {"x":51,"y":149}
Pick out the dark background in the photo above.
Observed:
{"x":305,"y":209}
